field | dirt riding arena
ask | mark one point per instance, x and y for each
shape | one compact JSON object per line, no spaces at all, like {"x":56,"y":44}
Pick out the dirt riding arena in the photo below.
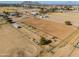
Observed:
{"x":55,"y":29}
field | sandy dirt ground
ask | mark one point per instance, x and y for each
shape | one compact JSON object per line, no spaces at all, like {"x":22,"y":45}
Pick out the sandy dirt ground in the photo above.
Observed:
{"x":11,"y":41}
{"x":62,"y":17}
{"x":68,"y":49}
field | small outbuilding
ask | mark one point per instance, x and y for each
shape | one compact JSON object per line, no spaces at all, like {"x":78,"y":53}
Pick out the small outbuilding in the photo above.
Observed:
{"x":16,"y":25}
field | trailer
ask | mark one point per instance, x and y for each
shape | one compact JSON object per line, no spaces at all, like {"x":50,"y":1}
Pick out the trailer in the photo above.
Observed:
{"x":16,"y":25}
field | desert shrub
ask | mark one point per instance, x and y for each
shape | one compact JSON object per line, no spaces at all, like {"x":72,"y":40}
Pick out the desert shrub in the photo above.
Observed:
{"x":17,"y":52}
{"x":21,"y":53}
{"x":54,"y":37}
{"x":68,"y":23}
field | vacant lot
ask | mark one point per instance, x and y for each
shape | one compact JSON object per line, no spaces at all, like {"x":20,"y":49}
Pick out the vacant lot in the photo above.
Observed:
{"x":62,"y":17}
{"x":55,"y":29}
{"x":12,"y":42}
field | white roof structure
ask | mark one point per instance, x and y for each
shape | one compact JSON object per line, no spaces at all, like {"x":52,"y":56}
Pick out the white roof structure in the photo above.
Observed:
{"x":15,"y":25}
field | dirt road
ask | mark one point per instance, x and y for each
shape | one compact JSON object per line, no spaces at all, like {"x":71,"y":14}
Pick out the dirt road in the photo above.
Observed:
{"x":66,"y":48}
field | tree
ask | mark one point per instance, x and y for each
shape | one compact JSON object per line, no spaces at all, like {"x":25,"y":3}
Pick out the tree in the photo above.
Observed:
{"x":43,"y":41}
{"x":43,"y":10}
{"x":68,"y":7}
{"x":54,"y":37}
{"x":18,"y":14}
{"x":53,"y":9}
{"x":9,"y":20}
{"x":68,"y":23}
{"x":7,"y":13}
{"x":30,"y":6}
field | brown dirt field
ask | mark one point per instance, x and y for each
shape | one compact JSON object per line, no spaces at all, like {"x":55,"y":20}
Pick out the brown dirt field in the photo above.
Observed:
{"x":55,"y":29}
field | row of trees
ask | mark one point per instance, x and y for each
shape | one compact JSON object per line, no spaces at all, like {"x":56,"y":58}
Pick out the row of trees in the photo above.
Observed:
{"x":16,"y":13}
{"x":10,"y":5}
{"x":7,"y":14}
{"x":55,"y":9}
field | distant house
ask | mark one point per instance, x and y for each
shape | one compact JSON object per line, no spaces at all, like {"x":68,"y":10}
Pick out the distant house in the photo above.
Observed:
{"x":12,"y":14}
{"x":2,"y":14}
{"x":43,"y":16}
{"x":34,"y":13}
{"x":75,"y":8}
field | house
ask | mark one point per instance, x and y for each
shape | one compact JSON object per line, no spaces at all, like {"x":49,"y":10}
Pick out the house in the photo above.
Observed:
{"x":12,"y":14}
{"x":34,"y":13}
